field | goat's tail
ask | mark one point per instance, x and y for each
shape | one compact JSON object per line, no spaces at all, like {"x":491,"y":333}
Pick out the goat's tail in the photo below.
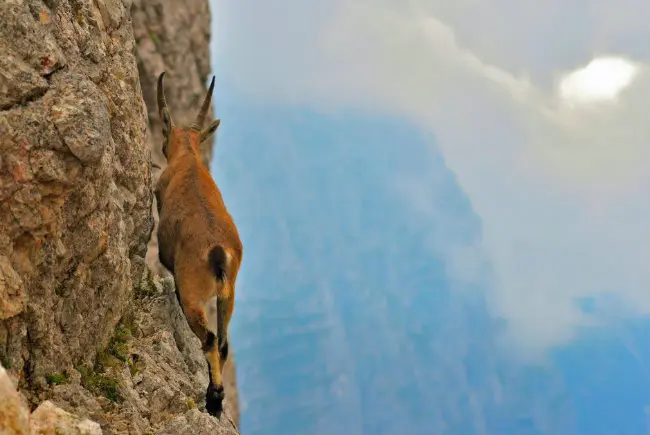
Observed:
{"x":218,"y":260}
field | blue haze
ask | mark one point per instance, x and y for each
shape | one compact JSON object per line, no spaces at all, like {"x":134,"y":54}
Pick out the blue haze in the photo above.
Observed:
{"x":346,"y":322}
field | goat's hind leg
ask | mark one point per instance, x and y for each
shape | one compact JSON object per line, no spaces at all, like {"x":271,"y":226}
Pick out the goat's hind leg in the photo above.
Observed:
{"x":199,"y":320}
{"x":215,"y":393}
{"x":216,"y":352}
{"x":225,"y":307}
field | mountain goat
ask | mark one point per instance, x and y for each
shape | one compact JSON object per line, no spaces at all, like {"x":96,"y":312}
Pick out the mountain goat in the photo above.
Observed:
{"x":198,"y":241}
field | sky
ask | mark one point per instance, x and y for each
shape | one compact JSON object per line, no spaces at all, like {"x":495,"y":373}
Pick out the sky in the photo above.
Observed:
{"x":443,"y":212}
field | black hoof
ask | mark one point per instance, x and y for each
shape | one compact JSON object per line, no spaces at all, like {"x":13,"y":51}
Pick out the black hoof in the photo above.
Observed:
{"x":214,"y":400}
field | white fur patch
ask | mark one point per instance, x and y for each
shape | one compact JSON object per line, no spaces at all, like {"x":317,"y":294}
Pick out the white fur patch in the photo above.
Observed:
{"x":212,"y":315}
{"x":228,"y":259}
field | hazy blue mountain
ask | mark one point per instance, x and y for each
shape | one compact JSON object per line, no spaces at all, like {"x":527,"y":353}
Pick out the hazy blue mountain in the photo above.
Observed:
{"x":346,"y":321}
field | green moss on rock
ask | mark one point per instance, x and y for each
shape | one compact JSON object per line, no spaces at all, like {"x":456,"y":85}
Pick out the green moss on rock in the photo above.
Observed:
{"x":100,"y":384}
{"x":57,"y":378}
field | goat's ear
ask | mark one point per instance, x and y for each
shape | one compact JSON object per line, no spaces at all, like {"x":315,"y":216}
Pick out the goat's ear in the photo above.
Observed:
{"x":207,"y":132}
{"x":166,"y":121}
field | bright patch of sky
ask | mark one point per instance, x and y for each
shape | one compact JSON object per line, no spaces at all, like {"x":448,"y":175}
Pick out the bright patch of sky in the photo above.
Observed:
{"x":445,"y":213}
{"x":602,"y":79}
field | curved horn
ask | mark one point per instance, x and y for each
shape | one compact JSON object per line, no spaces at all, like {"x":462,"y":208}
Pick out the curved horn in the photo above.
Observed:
{"x":200,"y":118}
{"x":162,"y":101}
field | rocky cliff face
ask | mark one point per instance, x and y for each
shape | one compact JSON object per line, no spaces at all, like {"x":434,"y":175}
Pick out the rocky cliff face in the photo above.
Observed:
{"x":75,"y":181}
{"x":82,"y":320}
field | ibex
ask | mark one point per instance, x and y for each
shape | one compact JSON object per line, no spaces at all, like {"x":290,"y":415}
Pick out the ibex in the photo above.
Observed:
{"x":198,"y":241}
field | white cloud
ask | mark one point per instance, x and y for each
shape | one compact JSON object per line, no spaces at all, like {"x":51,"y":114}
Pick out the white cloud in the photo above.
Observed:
{"x":561,"y":189}
{"x":602,"y":79}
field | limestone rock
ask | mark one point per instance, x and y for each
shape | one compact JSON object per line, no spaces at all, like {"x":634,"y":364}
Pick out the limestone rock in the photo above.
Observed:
{"x":81,"y":118}
{"x":12,"y":295}
{"x":48,"y":419}
{"x":195,"y":422}
{"x":14,"y":417}
{"x":11,"y":91}
{"x":75,"y":185}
